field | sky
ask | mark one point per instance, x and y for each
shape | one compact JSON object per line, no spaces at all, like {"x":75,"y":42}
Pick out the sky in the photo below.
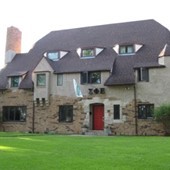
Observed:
{"x":36,"y":18}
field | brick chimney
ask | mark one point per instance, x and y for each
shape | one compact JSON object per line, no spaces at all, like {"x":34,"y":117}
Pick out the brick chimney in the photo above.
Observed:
{"x":13,"y":43}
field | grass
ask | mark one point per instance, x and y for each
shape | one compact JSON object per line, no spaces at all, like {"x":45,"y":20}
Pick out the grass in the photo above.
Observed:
{"x":50,"y":152}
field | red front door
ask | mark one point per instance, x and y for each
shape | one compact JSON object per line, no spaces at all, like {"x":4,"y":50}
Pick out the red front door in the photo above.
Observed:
{"x":98,"y":117}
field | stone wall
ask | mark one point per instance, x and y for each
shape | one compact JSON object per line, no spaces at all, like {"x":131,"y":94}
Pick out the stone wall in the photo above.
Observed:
{"x":47,"y":117}
{"x":17,"y":98}
{"x":136,"y":127}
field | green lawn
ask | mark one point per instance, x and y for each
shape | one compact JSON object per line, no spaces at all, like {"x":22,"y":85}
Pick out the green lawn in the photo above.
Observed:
{"x":55,"y":152}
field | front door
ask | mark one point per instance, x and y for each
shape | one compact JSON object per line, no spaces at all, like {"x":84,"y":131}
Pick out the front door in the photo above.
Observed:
{"x":98,"y":117}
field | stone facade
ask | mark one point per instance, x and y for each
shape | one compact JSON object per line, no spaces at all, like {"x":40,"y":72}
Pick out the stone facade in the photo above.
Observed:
{"x":47,"y":117}
{"x":134,"y":126}
{"x":17,"y":98}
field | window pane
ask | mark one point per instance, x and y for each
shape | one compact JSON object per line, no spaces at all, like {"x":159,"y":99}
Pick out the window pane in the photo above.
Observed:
{"x":14,"y":81}
{"x":122,"y":50}
{"x":126,"y":49}
{"x":130,"y":49}
{"x":145,"y":111}
{"x":14,"y":113}
{"x":116,"y":111}
{"x":59,"y":79}
{"x":41,"y":80}
{"x":5,"y":114}
{"x":94,"y":78}
{"x":66,"y":113}
{"x":143,"y":74}
{"x":84,"y":78}
{"x":61,"y":113}
{"x":87,"y":53}
{"x":53,"y":56}
{"x":11,"y":114}
{"x":22,"y":113}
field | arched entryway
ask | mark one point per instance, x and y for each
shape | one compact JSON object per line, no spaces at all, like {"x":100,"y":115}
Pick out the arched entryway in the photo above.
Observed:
{"x":97,"y":116}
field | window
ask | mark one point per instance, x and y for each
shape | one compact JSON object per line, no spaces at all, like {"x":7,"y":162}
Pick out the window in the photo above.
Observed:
{"x":53,"y":56}
{"x":14,"y":113}
{"x":145,"y":111}
{"x":41,"y":80}
{"x":126,"y":49}
{"x":143,"y":74}
{"x":15,"y":81}
{"x":59,"y":79}
{"x":90,"y":78}
{"x":88,"y":53}
{"x":66,"y":113}
{"x":116,"y":109}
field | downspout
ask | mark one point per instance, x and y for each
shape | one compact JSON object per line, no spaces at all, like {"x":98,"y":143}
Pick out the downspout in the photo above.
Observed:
{"x":33,"y":117}
{"x":136,"y":116}
{"x":33,"y":112}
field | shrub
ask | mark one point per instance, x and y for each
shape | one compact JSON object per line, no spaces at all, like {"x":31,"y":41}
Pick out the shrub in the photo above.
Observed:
{"x":162,"y":113}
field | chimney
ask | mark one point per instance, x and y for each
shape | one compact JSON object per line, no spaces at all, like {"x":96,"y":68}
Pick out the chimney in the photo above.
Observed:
{"x":13,"y":43}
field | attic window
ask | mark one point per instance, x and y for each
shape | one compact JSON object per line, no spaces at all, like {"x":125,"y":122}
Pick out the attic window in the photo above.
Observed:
{"x":126,"y":49}
{"x":53,"y":56}
{"x":88,"y":53}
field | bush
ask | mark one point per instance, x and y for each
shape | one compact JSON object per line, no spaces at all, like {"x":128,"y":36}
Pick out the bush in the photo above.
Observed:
{"x":162,"y":113}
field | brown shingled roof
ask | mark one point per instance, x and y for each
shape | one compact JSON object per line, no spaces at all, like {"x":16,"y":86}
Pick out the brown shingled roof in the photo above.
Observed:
{"x":150,"y":33}
{"x":167,"y":51}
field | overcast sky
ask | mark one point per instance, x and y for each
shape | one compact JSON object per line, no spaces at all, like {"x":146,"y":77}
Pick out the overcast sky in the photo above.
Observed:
{"x":36,"y":18}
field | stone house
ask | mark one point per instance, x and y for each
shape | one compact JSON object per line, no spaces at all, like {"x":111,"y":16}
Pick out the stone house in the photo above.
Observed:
{"x":104,"y":77}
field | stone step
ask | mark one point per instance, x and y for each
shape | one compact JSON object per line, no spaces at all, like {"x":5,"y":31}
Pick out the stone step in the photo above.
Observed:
{"x":96,"y":133}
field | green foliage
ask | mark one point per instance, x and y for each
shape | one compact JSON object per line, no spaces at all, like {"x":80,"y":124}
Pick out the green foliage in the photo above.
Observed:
{"x":162,"y":113}
{"x":48,"y":152}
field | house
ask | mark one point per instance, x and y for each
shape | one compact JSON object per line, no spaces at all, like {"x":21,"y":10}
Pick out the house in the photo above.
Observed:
{"x":107,"y":76}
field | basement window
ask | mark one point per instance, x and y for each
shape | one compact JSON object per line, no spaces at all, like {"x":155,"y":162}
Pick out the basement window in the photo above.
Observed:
{"x":66,"y":113}
{"x":14,"y":113}
{"x":145,"y":111}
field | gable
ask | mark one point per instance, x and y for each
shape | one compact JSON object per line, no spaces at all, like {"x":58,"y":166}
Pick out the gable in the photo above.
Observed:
{"x":43,"y":65}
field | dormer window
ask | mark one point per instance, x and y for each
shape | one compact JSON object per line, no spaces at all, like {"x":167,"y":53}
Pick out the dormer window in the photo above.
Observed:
{"x":55,"y":55}
{"x":126,"y":49}
{"x":88,"y":53}
{"x":15,"y":78}
{"x":15,"y":81}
